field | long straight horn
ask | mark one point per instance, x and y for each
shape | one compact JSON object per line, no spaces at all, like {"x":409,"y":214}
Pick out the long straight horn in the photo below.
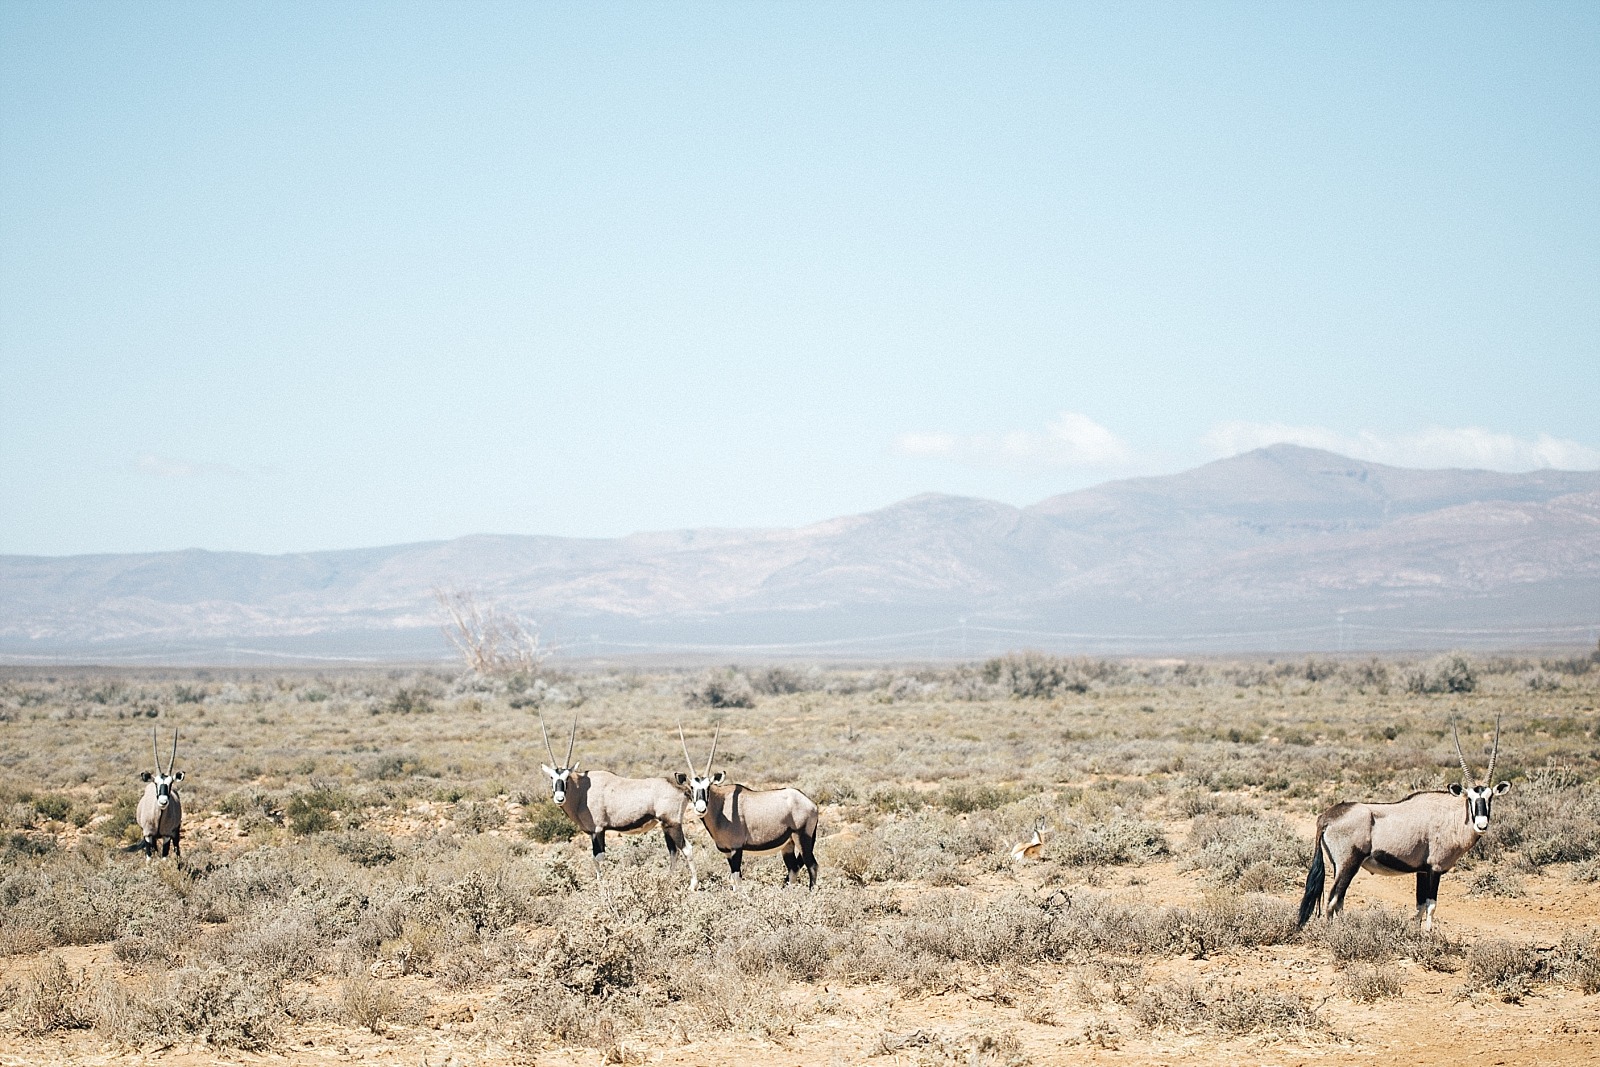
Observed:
{"x":572,"y":739}
{"x":1466,"y":775}
{"x":713,"y":755}
{"x":547,"y":747}
{"x":686,"y":757}
{"x":173,"y":762}
{"x":155,"y":749}
{"x":1494,"y":753}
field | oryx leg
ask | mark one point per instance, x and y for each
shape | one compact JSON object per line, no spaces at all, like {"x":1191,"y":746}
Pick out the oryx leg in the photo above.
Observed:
{"x":808,"y":855}
{"x":597,"y":849}
{"x":177,"y":845}
{"x":166,"y":846}
{"x":149,"y":847}
{"x":1427,"y":897}
{"x":1343,"y":876}
{"x":791,"y":863}
{"x":735,"y":861}
{"x":678,"y":842}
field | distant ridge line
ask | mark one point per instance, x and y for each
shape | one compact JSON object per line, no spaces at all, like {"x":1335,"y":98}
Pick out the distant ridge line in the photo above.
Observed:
{"x":1283,"y":544}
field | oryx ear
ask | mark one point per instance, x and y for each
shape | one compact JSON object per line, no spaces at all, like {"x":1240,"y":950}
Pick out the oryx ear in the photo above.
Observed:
{"x":551,"y":771}
{"x":683,"y":779}
{"x":1502,"y":789}
{"x":574,"y":768}
{"x":716,"y":779}
{"x":1455,"y":789}
{"x":144,"y":776}
{"x":178,"y":777}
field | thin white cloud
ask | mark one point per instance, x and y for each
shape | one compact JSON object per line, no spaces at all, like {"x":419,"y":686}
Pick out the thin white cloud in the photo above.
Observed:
{"x":1437,"y":446}
{"x":1069,"y":440}
{"x":182,"y":469}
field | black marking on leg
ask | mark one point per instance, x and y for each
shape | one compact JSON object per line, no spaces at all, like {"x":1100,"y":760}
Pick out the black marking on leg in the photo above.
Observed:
{"x":735,"y":861}
{"x":597,"y":842}
{"x":1426,"y":887}
{"x":808,"y":855}
{"x":1351,"y":866}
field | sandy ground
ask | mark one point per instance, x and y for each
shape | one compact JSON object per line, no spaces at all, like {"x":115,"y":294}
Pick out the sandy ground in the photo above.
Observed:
{"x":1036,"y":1014}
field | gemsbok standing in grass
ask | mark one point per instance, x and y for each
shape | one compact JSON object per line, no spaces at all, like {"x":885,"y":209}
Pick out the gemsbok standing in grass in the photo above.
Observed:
{"x":1425,"y":834}
{"x":740,"y":819}
{"x":160,"y":811}
{"x":597,"y":801}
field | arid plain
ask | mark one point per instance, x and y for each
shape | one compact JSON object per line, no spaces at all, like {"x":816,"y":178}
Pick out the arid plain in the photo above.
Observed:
{"x":372,"y":869}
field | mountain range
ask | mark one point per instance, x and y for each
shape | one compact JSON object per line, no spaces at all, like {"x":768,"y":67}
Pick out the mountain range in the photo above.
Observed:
{"x":1280,"y":548}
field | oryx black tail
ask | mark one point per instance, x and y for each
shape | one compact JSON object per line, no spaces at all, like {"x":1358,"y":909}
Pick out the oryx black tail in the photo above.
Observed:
{"x":1312,"y":900}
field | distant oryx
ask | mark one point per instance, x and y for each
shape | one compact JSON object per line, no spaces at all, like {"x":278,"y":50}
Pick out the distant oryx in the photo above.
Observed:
{"x":740,"y":819}
{"x":1425,"y":834}
{"x":160,"y":812}
{"x":598,"y":801}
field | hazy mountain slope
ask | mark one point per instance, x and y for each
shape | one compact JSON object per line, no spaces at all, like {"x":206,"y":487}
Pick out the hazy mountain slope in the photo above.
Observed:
{"x":1279,"y":535}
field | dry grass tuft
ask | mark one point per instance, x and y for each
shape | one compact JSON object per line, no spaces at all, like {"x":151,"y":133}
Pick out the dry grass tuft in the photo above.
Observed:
{"x":1504,"y":969}
{"x":1229,"y":1009}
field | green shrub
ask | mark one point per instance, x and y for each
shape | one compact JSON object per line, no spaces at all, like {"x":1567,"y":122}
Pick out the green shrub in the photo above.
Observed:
{"x":548,"y":824}
{"x":313,"y":812}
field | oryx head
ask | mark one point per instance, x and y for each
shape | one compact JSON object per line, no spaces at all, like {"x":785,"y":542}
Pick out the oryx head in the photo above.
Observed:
{"x":559,"y":775}
{"x":163,"y":780}
{"x":1479,"y":797}
{"x":699,"y":784}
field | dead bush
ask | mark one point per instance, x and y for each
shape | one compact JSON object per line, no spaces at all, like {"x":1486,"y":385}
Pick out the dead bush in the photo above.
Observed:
{"x":367,"y":1003}
{"x":1577,"y":961}
{"x":1119,"y":841}
{"x":1366,"y":983}
{"x":1496,"y":881}
{"x":1503,"y":969}
{"x":1229,"y":1009}
{"x":51,"y":998}
{"x":1230,"y":847}
{"x":720,"y":689}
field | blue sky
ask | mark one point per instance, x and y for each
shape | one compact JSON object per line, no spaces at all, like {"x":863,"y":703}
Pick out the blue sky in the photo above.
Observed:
{"x":277,"y":277}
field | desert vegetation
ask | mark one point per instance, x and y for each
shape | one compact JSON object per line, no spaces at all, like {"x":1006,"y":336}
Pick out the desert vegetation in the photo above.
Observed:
{"x":372,"y":865}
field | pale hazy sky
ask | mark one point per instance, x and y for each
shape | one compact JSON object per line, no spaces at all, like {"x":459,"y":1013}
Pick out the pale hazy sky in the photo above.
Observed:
{"x":293,"y":276}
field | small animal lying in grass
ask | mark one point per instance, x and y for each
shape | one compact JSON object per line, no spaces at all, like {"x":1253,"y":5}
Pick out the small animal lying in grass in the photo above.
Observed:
{"x":1033,"y":848}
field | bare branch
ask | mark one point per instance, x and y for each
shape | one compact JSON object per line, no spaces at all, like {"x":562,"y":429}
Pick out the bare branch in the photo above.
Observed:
{"x":491,"y":641}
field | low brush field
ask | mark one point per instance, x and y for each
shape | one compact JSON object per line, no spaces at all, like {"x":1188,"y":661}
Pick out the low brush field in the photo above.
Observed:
{"x":373,"y":871}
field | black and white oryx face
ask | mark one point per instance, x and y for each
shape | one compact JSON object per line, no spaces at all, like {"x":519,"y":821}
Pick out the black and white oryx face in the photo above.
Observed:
{"x":1480,"y":798}
{"x":699,"y":784}
{"x":163,"y":780}
{"x":559,"y":775}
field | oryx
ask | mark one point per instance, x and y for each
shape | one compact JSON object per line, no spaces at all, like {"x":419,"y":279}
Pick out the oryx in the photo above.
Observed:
{"x":597,"y":801}
{"x":1425,"y":834}
{"x":160,"y":811}
{"x":740,"y":819}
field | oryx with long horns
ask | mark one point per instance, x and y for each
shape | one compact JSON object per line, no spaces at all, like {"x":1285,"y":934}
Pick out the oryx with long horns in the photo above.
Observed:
{"x":597,"y":801}
{"x":740,"y":819}
{"x":1425,"y":834}
{"x":160,"y":811}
